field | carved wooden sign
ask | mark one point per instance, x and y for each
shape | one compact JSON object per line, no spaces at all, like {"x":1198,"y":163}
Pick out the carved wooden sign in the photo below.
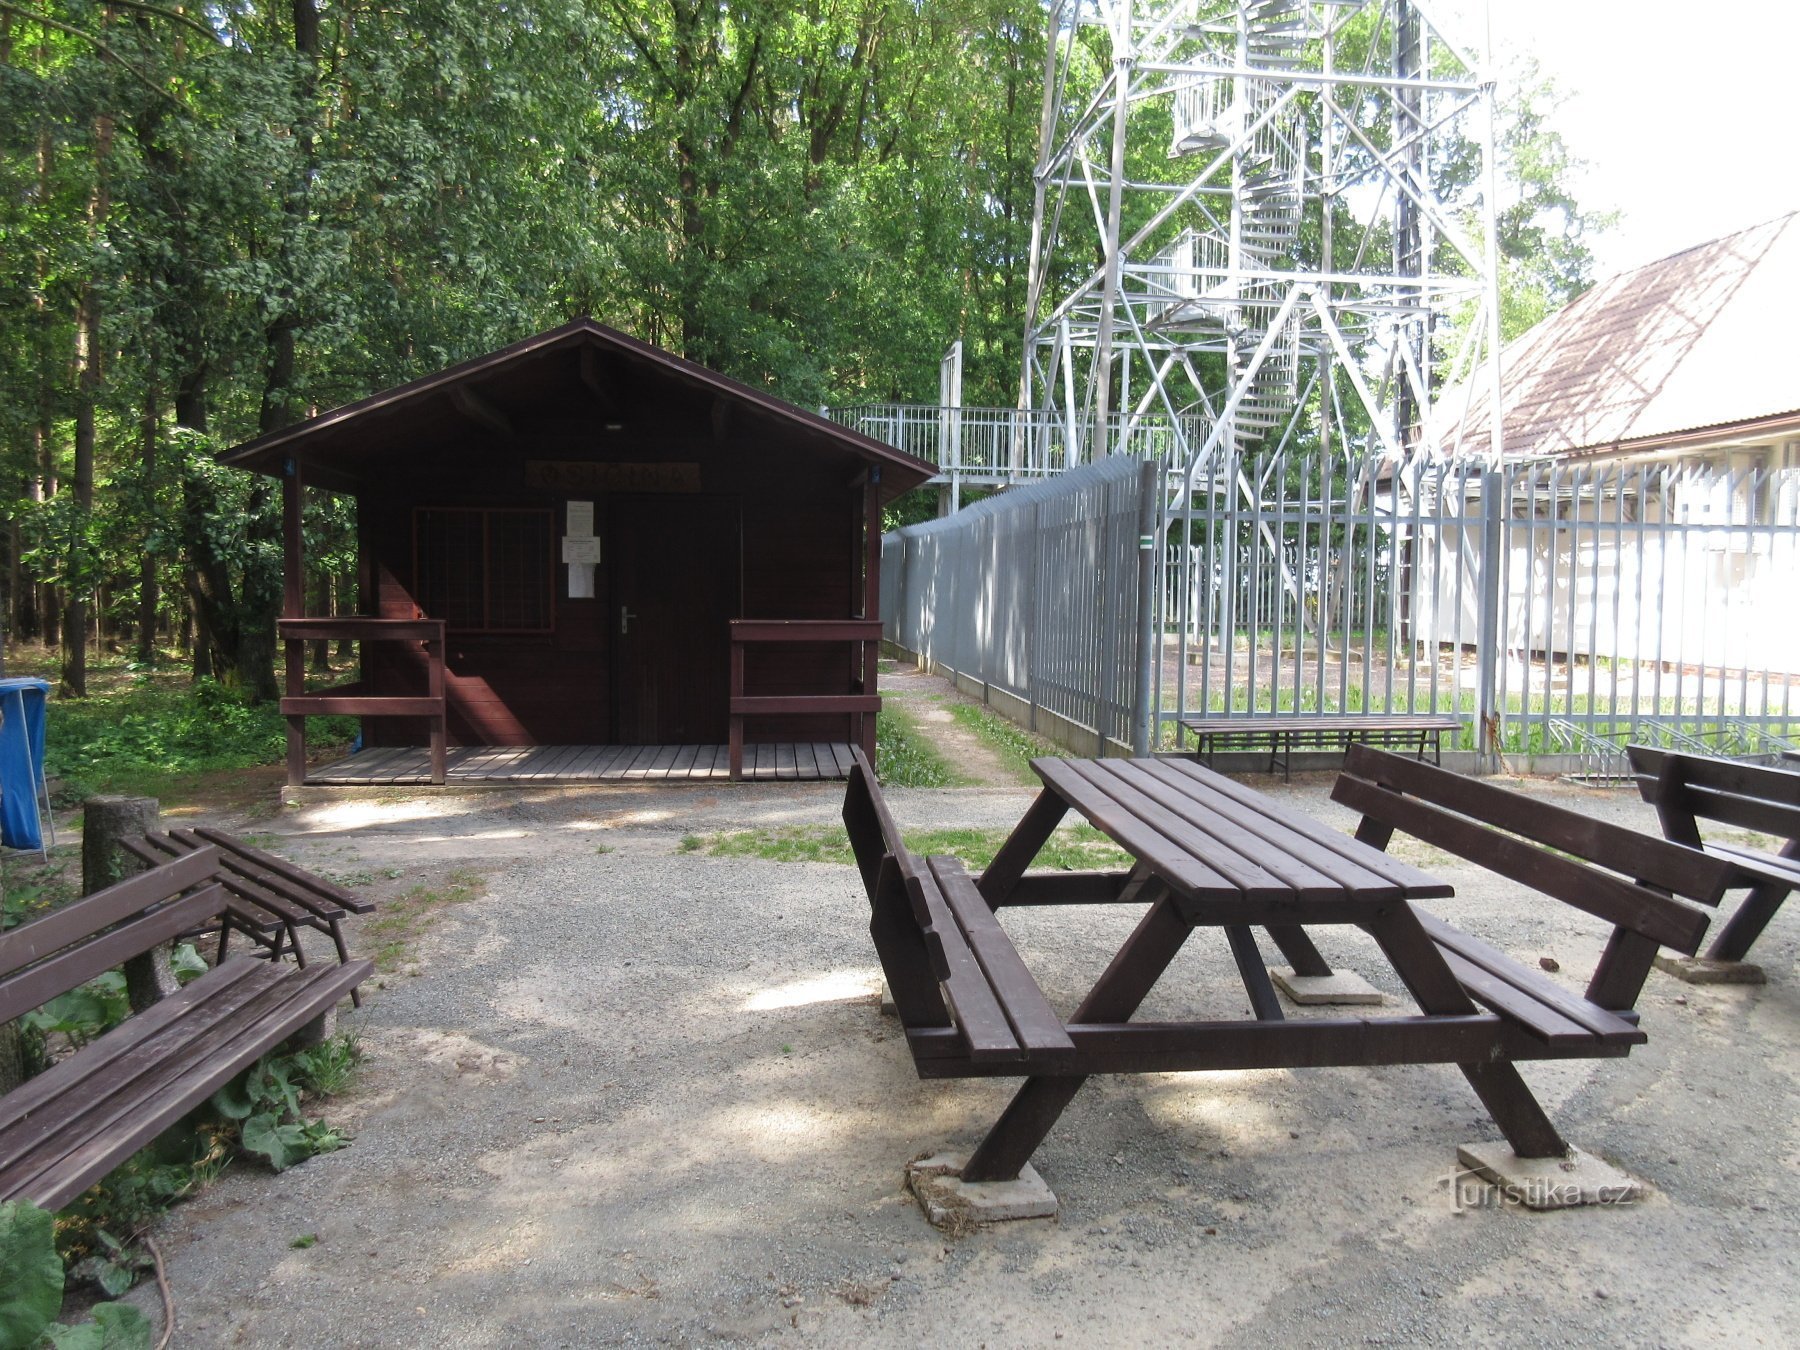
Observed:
{"x":580,"y":475}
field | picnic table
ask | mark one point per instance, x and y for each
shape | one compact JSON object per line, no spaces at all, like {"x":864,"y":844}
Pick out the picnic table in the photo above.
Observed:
{"x":1212,"y":853}
{"x":1209,"y":852}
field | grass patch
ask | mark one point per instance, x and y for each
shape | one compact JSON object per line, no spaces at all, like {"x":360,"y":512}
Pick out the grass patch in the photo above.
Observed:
{"x":905,"y":756}
{"x":155,"y":733}
{"x":1015,"y":746}
{"x":400,"y":922}
{"x":1077,"y":848}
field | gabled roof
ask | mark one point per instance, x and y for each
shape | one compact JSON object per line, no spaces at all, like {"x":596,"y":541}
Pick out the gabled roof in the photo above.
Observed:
{"x":1700,"y":341}
{"x":346,"y":444}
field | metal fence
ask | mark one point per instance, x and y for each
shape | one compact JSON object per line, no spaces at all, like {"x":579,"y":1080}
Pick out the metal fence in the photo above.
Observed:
{"x":1569,"y":607}
{"x":1562,"y":608}
{"x":1033,"y":596}
{"x":1004,"y":445}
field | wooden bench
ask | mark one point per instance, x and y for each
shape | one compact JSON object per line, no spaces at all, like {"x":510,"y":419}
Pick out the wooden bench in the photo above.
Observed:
{"x":269,"y":899}
{"x":73,"y":1123}
{"x":1686,"y":789}
{"x":1285,"y":734}
{"x":948,"y":962}
{"x":1655,"y":894}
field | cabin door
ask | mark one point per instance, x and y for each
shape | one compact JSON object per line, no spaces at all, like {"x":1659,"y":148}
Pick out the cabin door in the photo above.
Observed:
{"x":674,"y":565}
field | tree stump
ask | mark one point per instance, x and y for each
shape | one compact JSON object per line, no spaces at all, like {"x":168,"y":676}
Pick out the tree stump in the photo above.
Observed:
{"x":106,"y":821}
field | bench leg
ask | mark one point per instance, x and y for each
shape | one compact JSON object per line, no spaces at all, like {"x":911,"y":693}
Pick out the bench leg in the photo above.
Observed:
{"x":315,"y":1032}
{"x":1254,"y":973}
{"x":1745,"y":926}
{"x":1515,"y":1110}
{"x":1299,"y":950}
{"x":1115,"y":997}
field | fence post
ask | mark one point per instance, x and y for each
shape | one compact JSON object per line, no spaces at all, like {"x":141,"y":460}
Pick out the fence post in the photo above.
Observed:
{"x":1487,"y":634}
{"x":1149,"y":643}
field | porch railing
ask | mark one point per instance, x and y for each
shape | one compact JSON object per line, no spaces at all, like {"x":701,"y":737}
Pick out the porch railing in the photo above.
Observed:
{"x":350,"y":700}
{"x":864,"y":637}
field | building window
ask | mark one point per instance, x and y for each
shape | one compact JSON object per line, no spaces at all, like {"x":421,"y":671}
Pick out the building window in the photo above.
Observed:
{"x":485,"y":571}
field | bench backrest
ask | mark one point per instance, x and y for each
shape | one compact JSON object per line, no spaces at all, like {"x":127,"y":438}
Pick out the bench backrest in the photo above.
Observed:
{"x":1749,"y":796}
{"x":51,"y":955}
{"x":901,"y":922}
{"x":1645,"y":887}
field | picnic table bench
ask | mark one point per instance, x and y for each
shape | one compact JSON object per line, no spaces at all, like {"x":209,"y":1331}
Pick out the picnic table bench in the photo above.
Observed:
{"x":64,"y":1129}
{"x":1286,"y":733}
{"x":1686,"y":789}
{"x":269,"y":899}
{"x":1212,"y":853}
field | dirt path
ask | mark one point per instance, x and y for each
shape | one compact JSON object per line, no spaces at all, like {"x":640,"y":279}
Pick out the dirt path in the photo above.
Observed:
{"x":927,"y":700}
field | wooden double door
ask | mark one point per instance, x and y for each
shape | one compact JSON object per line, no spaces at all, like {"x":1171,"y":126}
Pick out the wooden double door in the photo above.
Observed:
{"x":673,"y":586}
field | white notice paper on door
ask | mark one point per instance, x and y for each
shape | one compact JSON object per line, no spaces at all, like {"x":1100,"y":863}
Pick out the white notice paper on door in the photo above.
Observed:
{"x":581,"y":520}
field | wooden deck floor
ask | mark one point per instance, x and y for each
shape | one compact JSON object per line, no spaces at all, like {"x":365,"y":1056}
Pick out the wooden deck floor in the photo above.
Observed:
{"x":802,"y":761}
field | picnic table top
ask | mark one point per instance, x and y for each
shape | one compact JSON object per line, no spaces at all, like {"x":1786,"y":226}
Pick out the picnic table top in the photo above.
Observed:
{"x":1210,"y":838}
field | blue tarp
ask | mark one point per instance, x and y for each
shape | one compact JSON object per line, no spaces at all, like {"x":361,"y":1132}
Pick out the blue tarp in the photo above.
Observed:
{"x":21,"y":760}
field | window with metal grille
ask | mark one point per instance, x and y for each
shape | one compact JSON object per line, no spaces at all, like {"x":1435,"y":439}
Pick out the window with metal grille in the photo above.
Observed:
{"x":485,"y":571}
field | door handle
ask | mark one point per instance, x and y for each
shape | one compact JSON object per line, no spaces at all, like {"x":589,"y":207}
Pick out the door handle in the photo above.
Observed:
{"x":625,"y":618}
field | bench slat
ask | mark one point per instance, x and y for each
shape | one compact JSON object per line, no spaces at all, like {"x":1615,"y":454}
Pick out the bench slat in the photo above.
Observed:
{"x":1034,"y":1022}
{"x":868,"y":822}
{"x":58,"y":1096}
{"x":973,"y":1007}
{"x":1594,"y":1019}
{"x":1622,"y":850}
{"x":1245,"y":834}
{"x":1516,"y":1005}
{"x":1331,"y":862}
{"x":1770,"y":866}
{"x":1337,"y":854}
{"x":1197,"y":831}
{"x":1668,"y":921}
{"x":32,"y":942}
{"x":185,"y":1078}
{"x":1138,"y":837}
{"x":38,"y":984}
{"x":327,"y":890}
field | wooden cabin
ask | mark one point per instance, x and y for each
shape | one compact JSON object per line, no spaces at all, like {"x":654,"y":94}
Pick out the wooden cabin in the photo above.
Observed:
{"x":581,"y":557}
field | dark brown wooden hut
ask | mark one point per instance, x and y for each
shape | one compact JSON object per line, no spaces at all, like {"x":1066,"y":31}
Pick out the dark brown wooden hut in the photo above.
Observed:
{"x":582,"y":557}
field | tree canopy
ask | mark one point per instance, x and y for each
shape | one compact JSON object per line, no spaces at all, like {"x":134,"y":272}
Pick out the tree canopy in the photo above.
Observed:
{"x":215,"y":218}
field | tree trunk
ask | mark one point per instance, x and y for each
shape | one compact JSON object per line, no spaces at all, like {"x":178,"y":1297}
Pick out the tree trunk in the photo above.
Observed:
{"x":87,"y":400}
{"x":149,"y":591}
{"x":106,"y":821}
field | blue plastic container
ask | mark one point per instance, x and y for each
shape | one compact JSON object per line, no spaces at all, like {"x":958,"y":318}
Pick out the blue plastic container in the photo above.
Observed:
{"x":22,"y":761}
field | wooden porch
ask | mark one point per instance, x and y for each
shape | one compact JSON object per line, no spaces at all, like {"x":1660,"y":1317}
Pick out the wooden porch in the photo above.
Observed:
{"x":565,"y":765}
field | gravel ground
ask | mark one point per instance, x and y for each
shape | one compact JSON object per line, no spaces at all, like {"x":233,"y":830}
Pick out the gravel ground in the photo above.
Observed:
{"x":646,"y":1096}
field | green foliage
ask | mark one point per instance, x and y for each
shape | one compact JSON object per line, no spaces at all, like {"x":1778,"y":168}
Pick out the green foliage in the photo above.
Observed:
{"x":155,"y":729}
{"x":115,"y":1326}
{"x":1073,"y":848}
{"x":904,"y":757}
{"x":266,"y":1102}
{"x":85,"y":1012}
{"x":32,"y":1293}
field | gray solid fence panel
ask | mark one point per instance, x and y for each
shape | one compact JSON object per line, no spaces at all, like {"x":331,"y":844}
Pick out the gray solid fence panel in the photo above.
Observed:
{"x":1031,"y":595}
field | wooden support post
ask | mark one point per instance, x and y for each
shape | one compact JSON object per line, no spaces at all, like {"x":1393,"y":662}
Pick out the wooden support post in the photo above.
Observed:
{"x":736,"y":734}
{"x":871,"y":605}
{"x":293,"y":606}
{"x":105,"y":822}
{"x":434,"y":661}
